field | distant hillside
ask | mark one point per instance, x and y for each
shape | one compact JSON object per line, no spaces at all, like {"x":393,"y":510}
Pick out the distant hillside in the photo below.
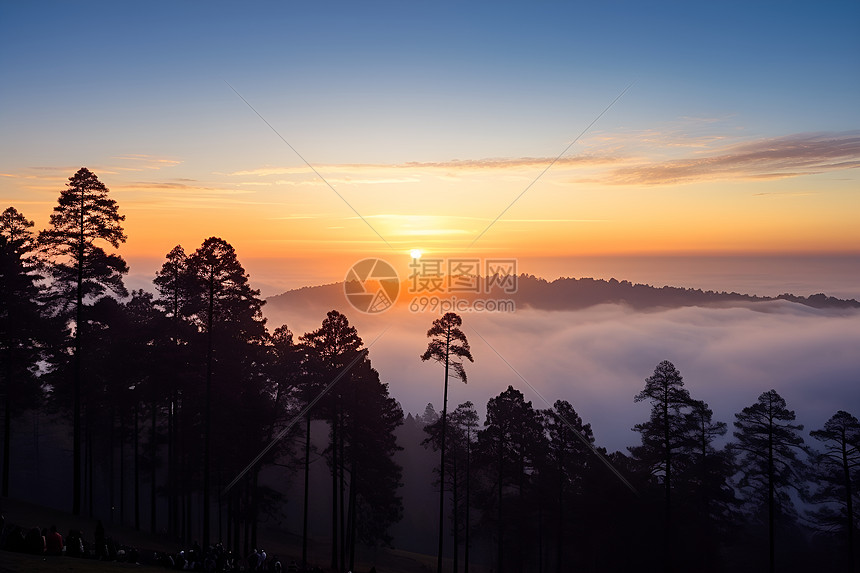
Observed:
{"x":569,"y":294}
{"x":572,"y":294}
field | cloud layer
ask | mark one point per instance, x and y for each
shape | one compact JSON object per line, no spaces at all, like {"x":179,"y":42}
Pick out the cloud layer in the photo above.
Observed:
{"x":774,"y":158}
{"x":599,"y":358}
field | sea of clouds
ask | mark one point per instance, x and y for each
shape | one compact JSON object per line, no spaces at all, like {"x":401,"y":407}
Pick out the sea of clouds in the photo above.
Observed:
{"x":598,"y":359}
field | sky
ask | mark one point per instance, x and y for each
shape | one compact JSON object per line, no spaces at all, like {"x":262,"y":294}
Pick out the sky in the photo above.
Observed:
{"x":309,"y":135}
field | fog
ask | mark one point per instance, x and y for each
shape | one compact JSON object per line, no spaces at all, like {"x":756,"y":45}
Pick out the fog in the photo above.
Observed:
{"x":598,"y":358}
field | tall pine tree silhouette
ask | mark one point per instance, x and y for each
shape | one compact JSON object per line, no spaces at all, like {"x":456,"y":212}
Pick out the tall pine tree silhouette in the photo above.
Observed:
{"x":664,"y":435}
{"x":769,"y":445}
{"x":229,"y":312}
{"x":448,"y":346}
{"x":81,"y":269}
{"x":837,"y":476}
{"x":23,"y":331}
{"x":332,"y":347}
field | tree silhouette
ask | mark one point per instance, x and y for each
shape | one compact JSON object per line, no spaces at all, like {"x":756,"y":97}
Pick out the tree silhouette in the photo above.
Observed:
{"x":462,"y":424}
{"x":664,"y":435}
{"x":23,"y":333}
{"x":371,"y":418}
{"x":712,"y":507}
{"x":429,"y":416}
{"x":571,"y":459}
{"x":229,"y":312}
{"x":307,"y":361}
{"x":466,"y":419}
{"x":82,"y":270}
{"x":333,"y":346}
{"x":508,"y":443}
{"x":176,"y":288}
{"x":768,"y":444}
{"x":447,"y":345}
{"x":837,"y":477}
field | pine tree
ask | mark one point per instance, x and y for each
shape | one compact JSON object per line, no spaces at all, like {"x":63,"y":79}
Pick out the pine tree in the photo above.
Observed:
{"x":81,"y":270}
{"x":572,"y":459}
{"x":768,"y":444}
{"x":229,"y":313}
{"x":510,"y":436}
{"x":448,"y":346}
{"x":371,"y":417}
{"x":837,"y":479}
{"x":664,"y":436}
{"x":332,"y":347}
{"x":712,"y":507}
{"x":23,"y":324}
{"x":176,"y":288}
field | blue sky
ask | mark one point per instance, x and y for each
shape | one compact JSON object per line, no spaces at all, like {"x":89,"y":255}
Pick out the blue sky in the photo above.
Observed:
{"x":487,"y":77}
{"x":139,"y":93}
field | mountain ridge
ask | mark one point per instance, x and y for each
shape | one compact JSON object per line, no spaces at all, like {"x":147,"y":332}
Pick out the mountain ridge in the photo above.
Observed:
{"x":567,"y":293}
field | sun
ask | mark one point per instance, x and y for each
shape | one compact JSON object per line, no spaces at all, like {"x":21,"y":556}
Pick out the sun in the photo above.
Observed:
{"x":415,"y":253}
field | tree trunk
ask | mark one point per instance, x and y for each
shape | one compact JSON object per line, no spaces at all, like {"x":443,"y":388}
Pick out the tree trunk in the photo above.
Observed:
{"x":540,"y":526}
{"x":122,"y":470}
{"x":849,"y":502}
{"x":667,"y":527}
{"x":228,"y":542}
{"x":7,"y":423}
{"x":341,"y":492}
{"x":468,"y":489}
{"x":89,"y":460}
{"x":559,"y":550}
{"x":171,"y":468}
{"x":770,"y":497}
{"x":456,"y":511}
{"x":154,"y":454}
{"x":352,"y":511}
{"x":236,"y":497}
{"x":500,"y":526}
{"x":189,"y":522}
{"x":207,"y":441}
{"x":136,"y":473}
{"x":334,"y":490}
{"x":76,"y":382}
{"x":255,"y":504}
{"x":111,"y":466}
{"x":442,"y":462}
{"x":245,"y":515}
{"x":307,"y":489}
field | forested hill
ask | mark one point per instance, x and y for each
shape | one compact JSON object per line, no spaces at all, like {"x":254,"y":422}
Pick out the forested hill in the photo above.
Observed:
{"x":569,"y":294}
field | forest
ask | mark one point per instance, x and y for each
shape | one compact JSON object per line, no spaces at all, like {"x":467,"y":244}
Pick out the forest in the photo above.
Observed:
{"x":169,"y":396}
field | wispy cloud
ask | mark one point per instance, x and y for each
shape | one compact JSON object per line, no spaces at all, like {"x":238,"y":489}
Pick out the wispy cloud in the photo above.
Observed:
{"x":638,"y":158}
{"x":142,"y":162}
{"x":773,"y":158}
{"x":430,"y":166}
{"x":181,"y":187}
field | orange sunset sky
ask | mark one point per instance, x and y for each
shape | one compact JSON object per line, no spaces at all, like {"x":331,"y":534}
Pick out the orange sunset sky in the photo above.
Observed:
{"x":390,"y":129}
